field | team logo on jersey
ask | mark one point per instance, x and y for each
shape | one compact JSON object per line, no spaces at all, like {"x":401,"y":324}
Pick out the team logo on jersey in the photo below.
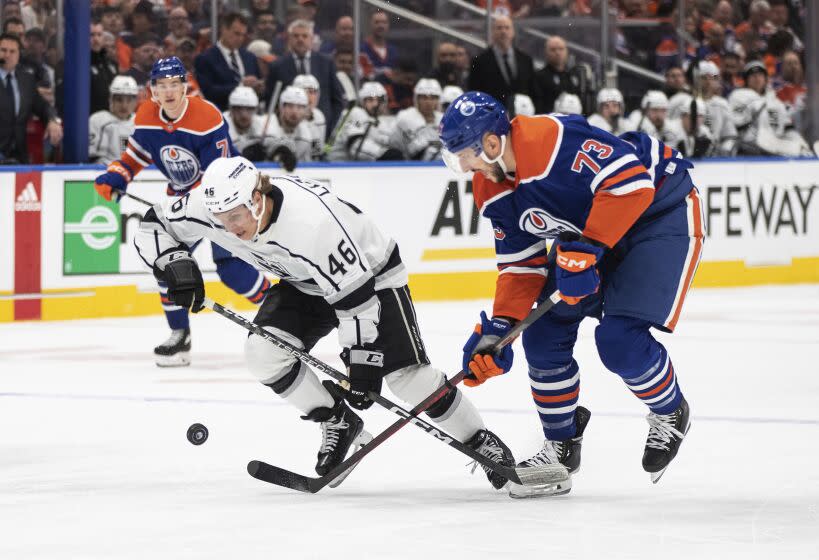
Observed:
{"x":500,"y":235}
{"x":538,"y":221}
{"x":182,"y":166}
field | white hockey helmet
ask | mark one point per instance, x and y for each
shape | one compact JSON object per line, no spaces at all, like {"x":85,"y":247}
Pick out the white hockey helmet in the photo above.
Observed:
{"x":427,"y":86}
{"x":123,"y":85}
{"x":568,"y":104}
{"x":708,"y":68}
{"x":609,"y":94}
{"x":229,"y":183}
{"x":654,"y":99}
{"x":306,"y":81}
{"x":243,"y":96}
{"x":371,"y":89}
{"x":294,"y":95}
{"x":450,"y":94}
{"x":524,"y":105}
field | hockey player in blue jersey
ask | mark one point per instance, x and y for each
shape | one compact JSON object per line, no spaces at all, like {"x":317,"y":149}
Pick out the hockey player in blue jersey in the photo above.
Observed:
{"x":181,"y":135}
{"x":627,"y":228}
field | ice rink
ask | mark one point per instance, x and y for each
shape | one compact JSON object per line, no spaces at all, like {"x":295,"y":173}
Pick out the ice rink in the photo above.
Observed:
{"x":94,"y":462}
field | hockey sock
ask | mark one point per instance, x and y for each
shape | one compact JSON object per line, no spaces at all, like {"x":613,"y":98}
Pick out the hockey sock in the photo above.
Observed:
{"x":177,"y":316}
{"x":628,"y":349}
{"x":556,"y":392}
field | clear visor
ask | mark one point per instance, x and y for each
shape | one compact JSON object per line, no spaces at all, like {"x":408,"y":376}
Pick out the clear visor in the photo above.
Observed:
{"x":463,"y":162}
{"x":234,"y":216}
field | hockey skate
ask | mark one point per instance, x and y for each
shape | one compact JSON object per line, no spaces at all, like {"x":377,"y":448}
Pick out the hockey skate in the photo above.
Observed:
{"x":176,"y":351}
{"x":341,"y":430}
{"x":489,"y":445}
{"x":665,"y":434}
{"x":566,"y":452}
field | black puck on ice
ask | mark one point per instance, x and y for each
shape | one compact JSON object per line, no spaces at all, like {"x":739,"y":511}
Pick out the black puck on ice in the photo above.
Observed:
{"x":197,"y":434}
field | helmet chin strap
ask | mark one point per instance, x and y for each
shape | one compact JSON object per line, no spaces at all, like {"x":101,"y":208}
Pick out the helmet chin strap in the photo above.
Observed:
{"x":258,"y":217}
{"x":499,"y":159}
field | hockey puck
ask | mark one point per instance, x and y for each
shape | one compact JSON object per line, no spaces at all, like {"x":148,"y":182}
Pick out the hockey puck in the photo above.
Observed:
{"x":197,"y":434}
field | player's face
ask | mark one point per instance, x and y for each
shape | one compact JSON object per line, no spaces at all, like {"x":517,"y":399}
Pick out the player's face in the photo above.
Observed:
{"x":370,"y":105}
{"x":292,"y":114}
{"x":610,"y":109}
{"x":757,"y":82}
{"x":312,"y":97}
{"x":169,"y":93}
{"x":427,"y":104}
{"x":122,"y":106}
{"x":657,"y":117}
{"x":467,"y":161}
{"x":242,"y":117}
{"x":238,"y":221}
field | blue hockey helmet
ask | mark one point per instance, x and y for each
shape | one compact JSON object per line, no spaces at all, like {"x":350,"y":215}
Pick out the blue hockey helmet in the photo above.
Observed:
{"x":468,"y":118}
{"x":170,"y":67}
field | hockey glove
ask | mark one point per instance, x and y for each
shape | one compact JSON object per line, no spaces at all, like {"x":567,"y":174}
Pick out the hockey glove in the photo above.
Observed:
{"x":576,"y":272}
{"x":185,"y":285}
{"x":364,"y":364}
{"x":112,"y":184}
{"x":285,"y":157}
{"x":480,"y":364}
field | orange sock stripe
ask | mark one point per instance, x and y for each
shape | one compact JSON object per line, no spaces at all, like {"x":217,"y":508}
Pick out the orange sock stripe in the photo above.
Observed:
{"x":556,"y":398}
{"x":659,"y":387}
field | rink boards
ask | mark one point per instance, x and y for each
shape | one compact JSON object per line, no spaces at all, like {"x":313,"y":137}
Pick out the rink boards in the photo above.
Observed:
{"x":65,"y":253}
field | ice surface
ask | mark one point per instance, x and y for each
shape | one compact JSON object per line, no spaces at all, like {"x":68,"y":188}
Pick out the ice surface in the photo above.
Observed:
{"x":94,"y":462}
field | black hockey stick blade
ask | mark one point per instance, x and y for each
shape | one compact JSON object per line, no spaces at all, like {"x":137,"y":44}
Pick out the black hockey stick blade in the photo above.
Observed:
{"x":275,"y":475}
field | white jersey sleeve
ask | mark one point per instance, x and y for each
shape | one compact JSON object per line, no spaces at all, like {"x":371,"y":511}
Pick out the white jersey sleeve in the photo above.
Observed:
{"x":107,"y":136}
{"x":415,"y":137}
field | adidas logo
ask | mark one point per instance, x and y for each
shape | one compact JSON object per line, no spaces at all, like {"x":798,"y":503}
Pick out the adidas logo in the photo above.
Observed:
{"x":27,"y":200}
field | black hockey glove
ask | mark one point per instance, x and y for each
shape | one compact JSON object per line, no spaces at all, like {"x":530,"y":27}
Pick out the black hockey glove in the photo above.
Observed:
{"x":185,"y":285}
{"x":285,"y":157}
{"x":364,"y":365}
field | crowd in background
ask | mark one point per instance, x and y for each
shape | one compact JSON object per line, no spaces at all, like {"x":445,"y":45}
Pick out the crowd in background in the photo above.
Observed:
{"x":285,"y":86}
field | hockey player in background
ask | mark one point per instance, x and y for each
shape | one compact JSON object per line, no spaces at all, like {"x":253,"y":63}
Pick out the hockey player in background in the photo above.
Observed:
{"x":696,"y":140}
{"x":448,"y":95}
{"x":609,"y":115}
{"x":109,"y":130}
{"x":568,"y":104}
{"x":416,"y":128}
{"x":315,"y":118}
{"x":365,"y":135}
{"x":627,"y":230}
{"x":180,"y":135}
{"x":653,"y":118}
{"x":717,"y":111}
{"x":291,"y":128}
{"x":762,"y":120}
{"x":337,"y":271}
{"x":523,"y":105}
{"x":245,"y":126}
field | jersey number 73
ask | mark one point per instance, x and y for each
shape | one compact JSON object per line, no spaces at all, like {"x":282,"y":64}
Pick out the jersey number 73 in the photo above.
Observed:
{"x":583,"y":158}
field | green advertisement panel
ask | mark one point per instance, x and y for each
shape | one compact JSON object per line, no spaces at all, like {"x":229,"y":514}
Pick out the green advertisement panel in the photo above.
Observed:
{"x":91,"y":231}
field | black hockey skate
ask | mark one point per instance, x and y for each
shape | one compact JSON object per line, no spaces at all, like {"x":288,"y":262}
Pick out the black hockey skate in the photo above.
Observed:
{"x":176,"y":351}
{"x":341,"y":428}
{"x":489,"y":445}
{"x":665,"y":434}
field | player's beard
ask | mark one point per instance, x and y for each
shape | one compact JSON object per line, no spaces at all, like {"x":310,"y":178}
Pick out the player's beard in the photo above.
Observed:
{"x":496,"y":173}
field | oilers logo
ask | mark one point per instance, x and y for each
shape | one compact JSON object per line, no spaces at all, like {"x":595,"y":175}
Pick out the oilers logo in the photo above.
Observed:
{"x":539,"y":222}
{"x":500,"y":235}
{"x":182,"y":166}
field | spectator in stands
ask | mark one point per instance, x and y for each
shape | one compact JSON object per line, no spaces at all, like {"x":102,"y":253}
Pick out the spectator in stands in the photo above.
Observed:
{"x":755,"y":32}
{"x":14,"y":26}
{"x":34,"y":49}
{"x":36,"y":13}
{"x":264,"y":26}
{"x":301,"y":60}
{"x":142,"y":19}
{"x":462,"y":63}
{"x":717,"y":112}
{"x":400,"y":92}
{"x":343,"y":59}
{"x":186,"y":51}
{"x":514,"y":67}
{"x":792,"y":90}
{"x":446,"y":70}
{"x":723,"y":14}
{"x":343,"y":37}
{"x":145,"y":52}
{"x":280,"y":44}
{"x":609,"y":115}
{"x":675,"y":81}
{"x":557,"y":76}
{"x":382,"y":55}
{"x":260,"y":6}
{"x":779,"y":17}
{"x":109,"y":129}
{"x":713,"y":47}
{"x":179,"y":28}
{"x":199,"y":14}
{"x":11,"y":9}
{"x":228,"y":64}
{"x":731,"y":73}
{"x":19,"y":99}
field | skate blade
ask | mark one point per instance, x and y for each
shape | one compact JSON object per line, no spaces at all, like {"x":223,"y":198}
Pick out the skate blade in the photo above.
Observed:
{"x":363,"y":439}
{"x":518,"y":491}
{"x":180,"y":359}
{"x":656,"y":476}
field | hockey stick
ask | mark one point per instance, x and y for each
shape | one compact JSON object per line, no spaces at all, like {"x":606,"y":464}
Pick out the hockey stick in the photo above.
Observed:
{"x":137,"y":198}
{"x":530,"y":476}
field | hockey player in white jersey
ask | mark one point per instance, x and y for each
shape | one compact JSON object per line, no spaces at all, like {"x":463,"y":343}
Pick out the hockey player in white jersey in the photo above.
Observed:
{"x":448,"y":95}
{"x":315,"y":118}
{"x":245,"y":126}
{"x":609,"y":115}
{"x":109,"y":130}
{"x":696,"y":141}
{"x":291,"y":127}
{"x":762,"y":120}
{"x":568,"y":104}
{"x":416,"y":128}
{"x":717,"y":111}
{"x":337,"y":271}
{"x":523,"y":105}
{"x":366,"y":133}
{"x":653,"y":118}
